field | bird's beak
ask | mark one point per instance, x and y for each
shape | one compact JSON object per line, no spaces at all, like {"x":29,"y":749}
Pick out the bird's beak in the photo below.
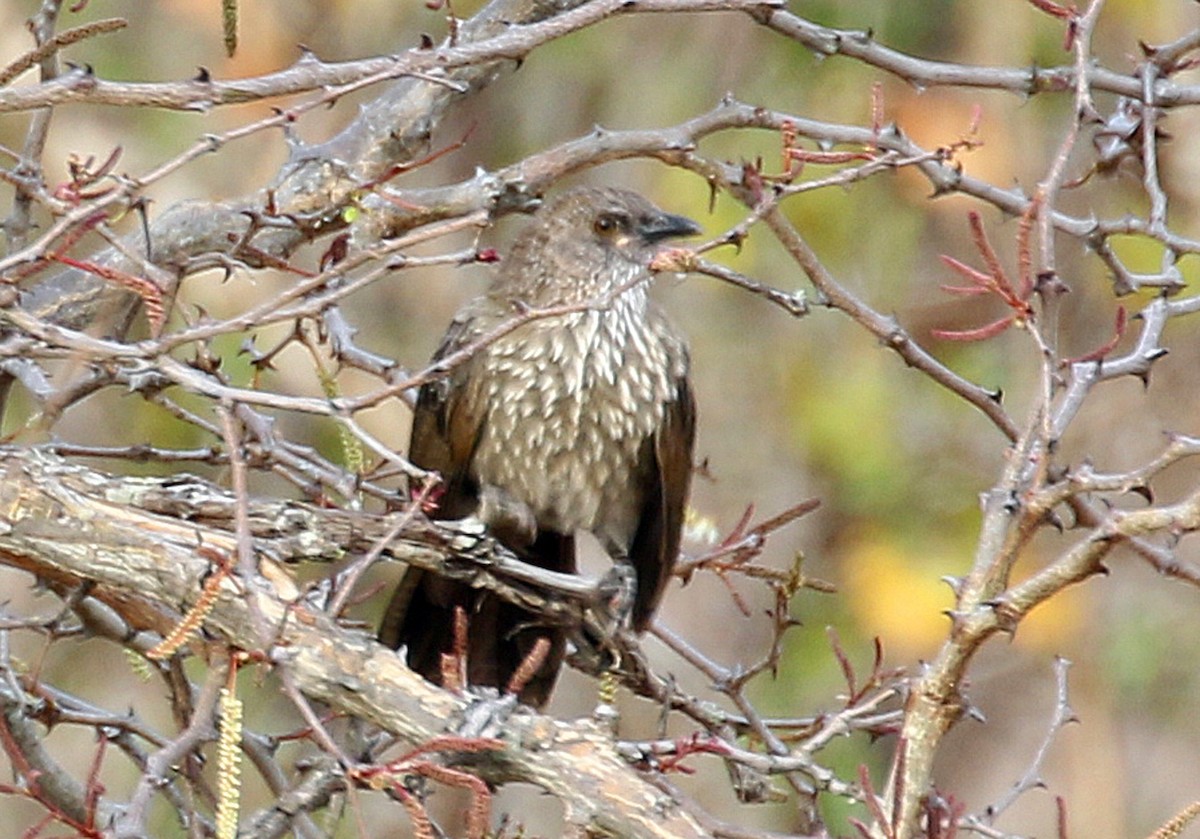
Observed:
{"x":662,"y":226}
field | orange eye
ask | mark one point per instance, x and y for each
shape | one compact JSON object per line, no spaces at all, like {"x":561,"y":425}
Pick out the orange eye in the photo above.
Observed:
{"x":604,"y":224}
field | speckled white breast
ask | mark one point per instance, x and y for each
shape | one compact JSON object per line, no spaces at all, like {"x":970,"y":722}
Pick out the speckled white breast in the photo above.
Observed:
{"x":570,"y":402}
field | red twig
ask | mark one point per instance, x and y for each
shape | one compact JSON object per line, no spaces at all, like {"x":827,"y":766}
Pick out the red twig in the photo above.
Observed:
{"x":75,"y":191}
{"x":994,"y":281}
{"x":529,"y":666}
{"x":151,"y":294}
{"x":1101,"y":352}
{"x":454,"y":663}
{"x":392,"y":775}
{"x":687,"y":746}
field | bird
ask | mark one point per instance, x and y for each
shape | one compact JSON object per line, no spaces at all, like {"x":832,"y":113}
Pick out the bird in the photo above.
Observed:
{"x":580,"y":421}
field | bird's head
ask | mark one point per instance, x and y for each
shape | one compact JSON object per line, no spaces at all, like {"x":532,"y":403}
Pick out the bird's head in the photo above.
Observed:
{"x":590,"y":241}
{"x":625,"y":223}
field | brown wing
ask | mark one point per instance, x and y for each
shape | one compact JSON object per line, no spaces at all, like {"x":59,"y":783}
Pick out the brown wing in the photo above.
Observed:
{"x":443,"y":437}
{"x":656,"y":543}
{"x":447,"y":422}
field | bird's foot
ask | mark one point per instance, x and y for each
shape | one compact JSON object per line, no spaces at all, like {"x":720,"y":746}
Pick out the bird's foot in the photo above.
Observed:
{"x":469,"y":534}
{"x":614,"y":596}
{"x":612,"y":601}
{"x":486,"y":713}
{"x":508,"y":519}
{"x":499,"y":515}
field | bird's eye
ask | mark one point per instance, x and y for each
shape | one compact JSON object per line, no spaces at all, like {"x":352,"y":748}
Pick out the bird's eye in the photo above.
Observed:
{"x":606,"y":223}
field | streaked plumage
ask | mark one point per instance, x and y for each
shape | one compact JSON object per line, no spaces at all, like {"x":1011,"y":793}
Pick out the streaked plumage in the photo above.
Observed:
{"x":585,"y":420}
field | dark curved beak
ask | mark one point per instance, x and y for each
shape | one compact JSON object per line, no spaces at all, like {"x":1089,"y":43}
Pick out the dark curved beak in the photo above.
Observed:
{"x":662,"y":226}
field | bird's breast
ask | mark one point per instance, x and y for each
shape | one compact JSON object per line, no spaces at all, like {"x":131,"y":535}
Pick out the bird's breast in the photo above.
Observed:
{"x":570,"y":401}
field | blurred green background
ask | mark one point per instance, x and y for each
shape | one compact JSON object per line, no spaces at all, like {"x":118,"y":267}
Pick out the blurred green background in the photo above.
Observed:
{"x":790,"y":409}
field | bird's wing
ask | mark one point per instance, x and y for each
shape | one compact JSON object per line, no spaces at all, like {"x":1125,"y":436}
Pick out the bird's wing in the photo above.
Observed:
{"x":443,"y":438}
{"x":656,"y":543}
{"x":445,"y":427}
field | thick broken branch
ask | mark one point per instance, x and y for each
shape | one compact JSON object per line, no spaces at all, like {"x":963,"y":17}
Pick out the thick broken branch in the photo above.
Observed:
{"x":69,"y":525}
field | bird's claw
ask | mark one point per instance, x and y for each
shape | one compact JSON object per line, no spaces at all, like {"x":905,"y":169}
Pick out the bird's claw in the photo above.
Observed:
{"x":612,"y":602}
{"x":508,"y":519}
{"x":486,"y":713}
{"x":469,"y":534}
{"x":615,"y":594}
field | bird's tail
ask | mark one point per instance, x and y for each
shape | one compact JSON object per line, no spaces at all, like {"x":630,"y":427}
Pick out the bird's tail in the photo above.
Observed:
{"x":500,"y":635}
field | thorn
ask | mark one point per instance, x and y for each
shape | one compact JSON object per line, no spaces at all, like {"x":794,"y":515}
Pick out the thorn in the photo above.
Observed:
{"x":957,"y":618}
{"x":1054,"y":521}
{"x":1012,"y":504}
{"x":955,"y":583}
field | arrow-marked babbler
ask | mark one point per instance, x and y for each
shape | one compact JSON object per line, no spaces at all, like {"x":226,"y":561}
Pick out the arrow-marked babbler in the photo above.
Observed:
{"x":581,"y":421}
